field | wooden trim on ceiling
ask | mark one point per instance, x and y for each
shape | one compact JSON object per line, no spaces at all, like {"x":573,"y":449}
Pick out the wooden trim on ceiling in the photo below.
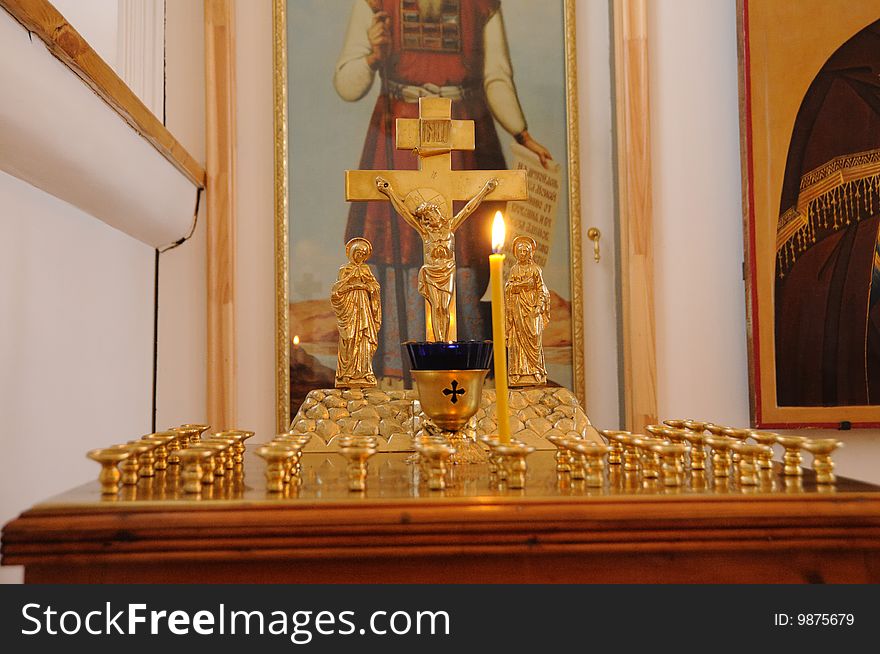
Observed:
{"x":633,"y":136}
{"x":44,"y":21}
{"x":220,"y":150}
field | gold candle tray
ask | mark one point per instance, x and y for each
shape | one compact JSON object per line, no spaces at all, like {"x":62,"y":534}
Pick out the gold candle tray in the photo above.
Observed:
{"x":395,"y":417}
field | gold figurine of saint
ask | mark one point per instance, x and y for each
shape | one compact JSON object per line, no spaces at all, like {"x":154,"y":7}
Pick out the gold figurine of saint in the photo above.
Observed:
{"x":527,"y":304}
{"x":427,"y":211}
{"x":356,"y":301}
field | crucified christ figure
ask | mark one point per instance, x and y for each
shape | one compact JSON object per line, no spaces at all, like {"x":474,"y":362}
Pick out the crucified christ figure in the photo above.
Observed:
{"x":426,"y":211}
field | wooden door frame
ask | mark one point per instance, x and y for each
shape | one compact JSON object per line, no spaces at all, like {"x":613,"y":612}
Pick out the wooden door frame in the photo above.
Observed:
{"x":635,"y":213}
{"x":220,"y":153}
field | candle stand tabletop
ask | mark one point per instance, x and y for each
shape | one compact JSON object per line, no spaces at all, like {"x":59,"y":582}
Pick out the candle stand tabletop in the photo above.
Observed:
{"x":556,"y":529}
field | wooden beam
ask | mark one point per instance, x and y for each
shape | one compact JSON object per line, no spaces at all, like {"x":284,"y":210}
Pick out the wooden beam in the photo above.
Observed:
{"x":42,"y":20}
{"x":220,"y":196}
{"x":634,"y":199}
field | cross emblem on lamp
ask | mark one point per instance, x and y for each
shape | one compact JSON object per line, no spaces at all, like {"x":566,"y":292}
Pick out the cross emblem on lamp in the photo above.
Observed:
{"x":455,"y":391}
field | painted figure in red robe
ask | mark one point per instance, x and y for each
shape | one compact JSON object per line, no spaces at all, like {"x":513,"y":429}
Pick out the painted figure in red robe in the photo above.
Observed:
{"x":448,"y":48}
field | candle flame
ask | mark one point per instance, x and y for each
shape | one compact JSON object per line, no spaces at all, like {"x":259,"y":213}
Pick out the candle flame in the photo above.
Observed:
{"x":497,"y":232}
{"x":296,"y":340}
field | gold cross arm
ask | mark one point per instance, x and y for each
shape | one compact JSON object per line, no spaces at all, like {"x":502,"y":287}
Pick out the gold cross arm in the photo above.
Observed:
{"x":453,"y":185}
{"x":430,"y":137}
{"x":434,"y":132}
{"x":433,"y":136}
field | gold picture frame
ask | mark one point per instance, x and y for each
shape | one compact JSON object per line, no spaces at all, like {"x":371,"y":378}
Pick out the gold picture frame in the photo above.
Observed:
{"x":810,"y":355}
{"x":282,"y":205}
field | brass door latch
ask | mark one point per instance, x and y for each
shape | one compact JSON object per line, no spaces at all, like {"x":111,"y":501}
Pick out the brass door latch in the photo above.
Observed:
{"x":594,"y":235}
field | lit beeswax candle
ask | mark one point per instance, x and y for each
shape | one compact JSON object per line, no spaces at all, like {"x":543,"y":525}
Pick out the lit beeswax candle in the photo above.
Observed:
{"x":496,"y":270}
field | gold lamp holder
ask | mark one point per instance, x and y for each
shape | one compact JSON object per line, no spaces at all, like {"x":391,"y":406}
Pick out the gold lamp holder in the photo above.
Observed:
{"x":449,"y":399}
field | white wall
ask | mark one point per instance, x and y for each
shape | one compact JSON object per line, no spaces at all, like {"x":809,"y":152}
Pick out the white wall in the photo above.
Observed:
{"x":76,"y":305}
{"x":255,"y":271}
{"x":97,"y":22}
{"x":75,"y":344}
{"x":700,"y":305}
{"x":597,"y":210}
{"x":75,"y":326}
{"x":128,"y":35}
{"x":700,"y":298}
{"x":182,"y":286}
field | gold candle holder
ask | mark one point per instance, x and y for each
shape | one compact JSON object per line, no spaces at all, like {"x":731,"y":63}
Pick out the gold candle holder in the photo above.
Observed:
{"x":563,"y":458}
{"x":225,"y":459}
{"x":791,"y":458}
{"x":293,"y":467}
{"x":174,"y":446}
{"x":697,"y":440}
{"x":190,"y":434}
{"x":160,"y":455}
{"x":218,"y":461}
{"x":193,"y":461}
{"x":677,"y":436}
{"x":198,"y":430}
{"x":630,"y":452}
{"x":303,"y":440}
{"x":768,"y":438}
{"x":694,"y":425}
{"x":109,"y":458}
{"x":718,"y":432}
{"x":147,"y":460}
{"x":357,"y":450}
{"x":738,"y":434}
{"x":131,"y":466}
{"x":748,"y":468}
{"x":491,"y":442}
{"x":513,"y":462}
{"x":236,"y":452}
{"x":436,"y":454}
{"x":615,"y":456}
{"x":241,"y":446}
{"x":209,"y":465}
{"x":578,"y":463}
{"x":276,"y":457}
{"x":594,"y":461}
{"x":721,"y":455}
{"x":715,"y":430}
{"x":183,"y":438}
{"x":650,"y":459}
{"x":821,"y":449}
{"x":240,"y":436}
{"x":670,"y":461}
{"x":657,"y":432}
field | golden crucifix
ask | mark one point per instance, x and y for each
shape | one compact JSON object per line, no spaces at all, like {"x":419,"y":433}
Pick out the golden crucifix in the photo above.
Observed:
{"x":424,"y":198}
